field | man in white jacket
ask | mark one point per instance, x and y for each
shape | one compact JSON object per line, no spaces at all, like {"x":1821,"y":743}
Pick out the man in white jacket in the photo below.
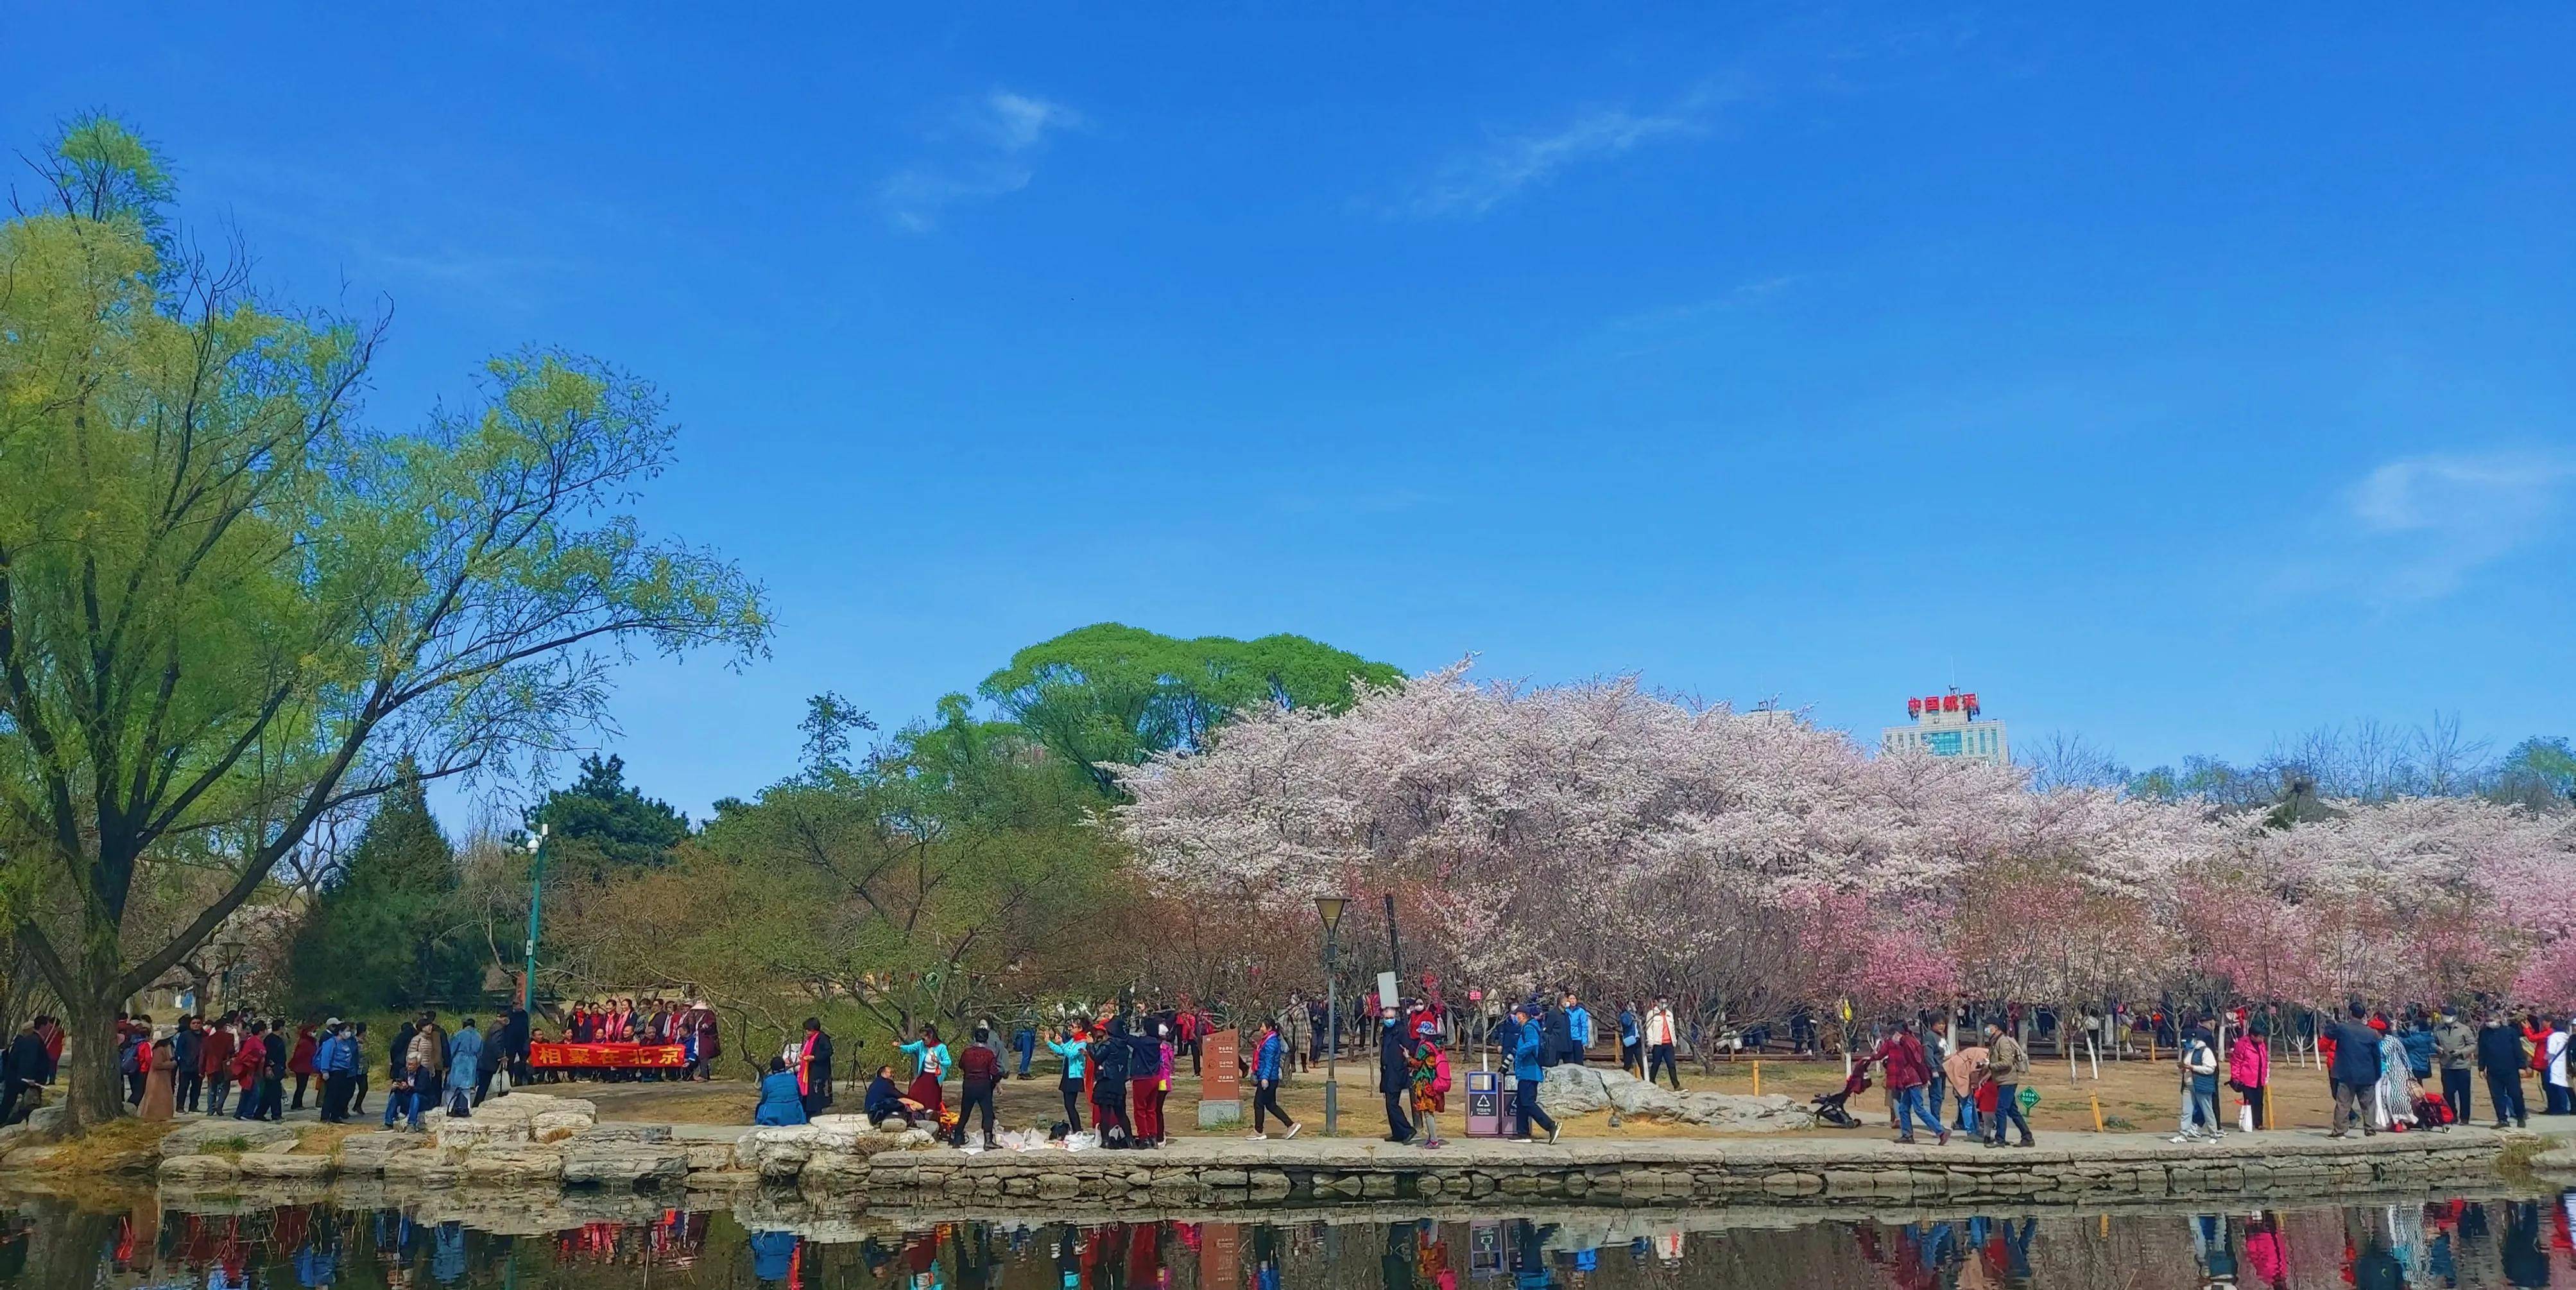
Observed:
{"x":1660,"y":1036}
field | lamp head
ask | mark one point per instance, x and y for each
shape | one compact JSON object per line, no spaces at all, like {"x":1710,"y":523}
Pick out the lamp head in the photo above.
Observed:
{"x":1329,"y":908}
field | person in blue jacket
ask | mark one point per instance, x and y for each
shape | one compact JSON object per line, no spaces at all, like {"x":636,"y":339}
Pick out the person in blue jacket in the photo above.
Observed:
{"x":1529,"y":1046}
{"x":1265,"y":1080}
{"x":781,"y":1102}
{"x":1075,"y":1050}
{"x":1578,"y":1027}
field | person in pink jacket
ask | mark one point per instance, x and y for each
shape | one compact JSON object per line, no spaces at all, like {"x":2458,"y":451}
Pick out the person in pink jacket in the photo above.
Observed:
{"x":2249,"y":1069}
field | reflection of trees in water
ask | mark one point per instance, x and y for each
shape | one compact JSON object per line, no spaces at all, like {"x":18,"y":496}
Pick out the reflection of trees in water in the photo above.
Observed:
{"x":58,"y":1247}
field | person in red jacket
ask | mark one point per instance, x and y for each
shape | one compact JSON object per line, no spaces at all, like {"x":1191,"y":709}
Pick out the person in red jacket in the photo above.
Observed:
{"x":1909,"y":1074}
{"x":250,"y":1062}
{"x":215,"y":1064}
{"x":299,"y":1063}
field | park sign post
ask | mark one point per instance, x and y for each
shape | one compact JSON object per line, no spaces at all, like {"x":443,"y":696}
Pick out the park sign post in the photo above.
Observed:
{"x":1220,"y":1079}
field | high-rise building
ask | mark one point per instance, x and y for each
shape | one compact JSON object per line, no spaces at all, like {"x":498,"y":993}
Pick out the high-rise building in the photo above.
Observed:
{"x":1948,"y":725}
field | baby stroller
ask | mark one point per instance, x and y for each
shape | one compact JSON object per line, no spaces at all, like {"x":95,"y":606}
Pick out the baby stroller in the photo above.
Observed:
{"x":1827,"y":1108}
{"x":2432,"y":1113}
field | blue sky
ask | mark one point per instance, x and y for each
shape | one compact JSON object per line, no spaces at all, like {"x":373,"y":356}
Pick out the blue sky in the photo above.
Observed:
{"x":2179,"y":381}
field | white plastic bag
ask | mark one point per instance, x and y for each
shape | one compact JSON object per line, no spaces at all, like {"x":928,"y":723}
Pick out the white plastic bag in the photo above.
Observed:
{"x":2244,"y":1117}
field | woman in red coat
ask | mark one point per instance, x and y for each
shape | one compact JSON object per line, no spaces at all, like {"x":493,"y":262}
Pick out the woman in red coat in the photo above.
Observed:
{"x":299,"y":1063}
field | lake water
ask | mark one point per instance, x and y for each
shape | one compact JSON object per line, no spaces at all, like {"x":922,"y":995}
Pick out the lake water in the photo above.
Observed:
{"x":49,"y":1244}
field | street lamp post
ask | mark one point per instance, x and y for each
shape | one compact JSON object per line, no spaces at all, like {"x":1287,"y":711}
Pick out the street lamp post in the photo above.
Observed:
{"x":1329,"y":908}
{"x":536,"y":902}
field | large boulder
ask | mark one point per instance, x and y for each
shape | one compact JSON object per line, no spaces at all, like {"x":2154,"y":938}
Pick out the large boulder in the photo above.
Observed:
{"x":366,"y":1153}
{"x":198,"y":1169}
{"x":419,"y":1168}
{"x":528,"y":1106}
{"x":626,"y":1132}
{"x":835,"y":1171}
{"x":468,"y":1134}
{"x":261,"y":1164}
{"x":1577,"y":1090}
{"x":41,"y":1125}
{"x":555,"y":1126}
{"x":1582,"y":1090}
{"x":513,"y":1165}
{"x":778,"y":1152}
{"x":219,"y":1134}
{"x":645,"y":1166}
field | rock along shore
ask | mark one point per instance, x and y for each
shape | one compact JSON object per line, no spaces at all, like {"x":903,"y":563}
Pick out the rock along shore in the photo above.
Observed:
{"x":533,"y":1141}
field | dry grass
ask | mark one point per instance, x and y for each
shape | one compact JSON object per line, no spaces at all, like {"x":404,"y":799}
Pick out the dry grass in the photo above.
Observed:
{"x":118,"y":1146}
{"x":325,"y":1139}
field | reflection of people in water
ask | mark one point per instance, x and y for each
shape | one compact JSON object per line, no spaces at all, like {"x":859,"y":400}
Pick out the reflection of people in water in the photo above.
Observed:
{"x":773,"y":1256}
{"x":1529,"y":1255}
{"x":2214,"y":1248}
{"x":2526,"y":1262}
{"x":447,"y":1253}
{"x":2264,"y":1257}
{"x":2373,"y":1266}
{"x":1395,"y":1267}
{"x":1265,"y":1258}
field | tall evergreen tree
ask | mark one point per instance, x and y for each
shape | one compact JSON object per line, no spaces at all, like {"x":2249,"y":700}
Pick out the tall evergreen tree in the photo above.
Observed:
{"x":385,"y":931}
{"x":603,"y":821}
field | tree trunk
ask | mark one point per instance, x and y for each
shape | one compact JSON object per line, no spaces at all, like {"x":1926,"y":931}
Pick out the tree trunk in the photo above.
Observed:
{"x":95,"y":1094}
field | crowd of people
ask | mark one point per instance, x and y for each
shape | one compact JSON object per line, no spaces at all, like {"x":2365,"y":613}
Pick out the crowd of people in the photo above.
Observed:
{"x":689,"y":1025}
{"x":1963,"y":1070}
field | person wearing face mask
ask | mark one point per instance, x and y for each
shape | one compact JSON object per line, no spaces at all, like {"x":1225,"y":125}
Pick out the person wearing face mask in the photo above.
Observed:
{"x":1394,"y":1074}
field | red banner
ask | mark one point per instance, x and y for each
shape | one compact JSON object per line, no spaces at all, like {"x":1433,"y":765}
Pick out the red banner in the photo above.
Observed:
{"x":544,"y":1056}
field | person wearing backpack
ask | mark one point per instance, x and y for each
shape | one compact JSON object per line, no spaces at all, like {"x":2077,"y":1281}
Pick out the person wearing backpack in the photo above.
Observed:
{"x":1558,"y":1027}
{"x":1429,"y":1067}
{"x":980,"y":1068}
{"x":2199,"y":1067}
{"x":132,"y":1061}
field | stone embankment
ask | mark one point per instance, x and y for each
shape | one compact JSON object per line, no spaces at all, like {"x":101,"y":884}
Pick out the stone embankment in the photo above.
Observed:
{"x":557,"y":1145}
{"x":1212,"y":1175}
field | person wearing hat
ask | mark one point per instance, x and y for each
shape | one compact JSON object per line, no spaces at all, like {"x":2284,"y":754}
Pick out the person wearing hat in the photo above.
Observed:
{"x":1528,"y":1071}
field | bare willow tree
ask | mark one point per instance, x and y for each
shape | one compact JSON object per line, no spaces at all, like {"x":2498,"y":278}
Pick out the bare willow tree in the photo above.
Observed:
{"x":229,"y":609}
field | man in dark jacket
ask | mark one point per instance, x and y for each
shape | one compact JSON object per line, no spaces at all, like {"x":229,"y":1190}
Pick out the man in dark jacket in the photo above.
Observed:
{"x":514,"y":1045}
{"x":187,"y":1049}
{"x":1394,"y":1075}
{"x":2355,"y":1074}
{"x":1558,"y":1030}
{"x":818,"y":1080}
{"x":2502,"y":1057}
{"x":21,"y":1069}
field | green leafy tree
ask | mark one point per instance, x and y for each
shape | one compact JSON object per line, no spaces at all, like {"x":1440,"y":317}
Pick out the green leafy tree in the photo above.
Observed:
{"x":388,"y":930}
{"x":939,"y":877}
{"x":604,"y":821}
{"x":2539,"y":772}
{"x":229,"y":609}
{"x":1109,"y":695}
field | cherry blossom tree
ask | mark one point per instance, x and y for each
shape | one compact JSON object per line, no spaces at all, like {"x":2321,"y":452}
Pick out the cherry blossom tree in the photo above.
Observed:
{"x":1606,"y":836}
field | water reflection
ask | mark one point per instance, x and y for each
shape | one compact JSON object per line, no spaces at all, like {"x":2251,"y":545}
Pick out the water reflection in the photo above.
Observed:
{"x":46,"y":1245}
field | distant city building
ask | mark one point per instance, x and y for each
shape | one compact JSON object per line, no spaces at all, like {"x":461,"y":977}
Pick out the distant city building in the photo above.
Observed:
{"x":1947,"y":725}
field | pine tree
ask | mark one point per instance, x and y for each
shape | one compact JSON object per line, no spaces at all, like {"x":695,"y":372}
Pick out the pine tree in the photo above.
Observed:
{"x":383,"y":933}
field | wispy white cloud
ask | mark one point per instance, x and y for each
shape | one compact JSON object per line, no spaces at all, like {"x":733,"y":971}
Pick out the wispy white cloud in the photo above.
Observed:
{"x":2430,"y":521}
{"x":992,"y":143}
{"x":1474,"y":182}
